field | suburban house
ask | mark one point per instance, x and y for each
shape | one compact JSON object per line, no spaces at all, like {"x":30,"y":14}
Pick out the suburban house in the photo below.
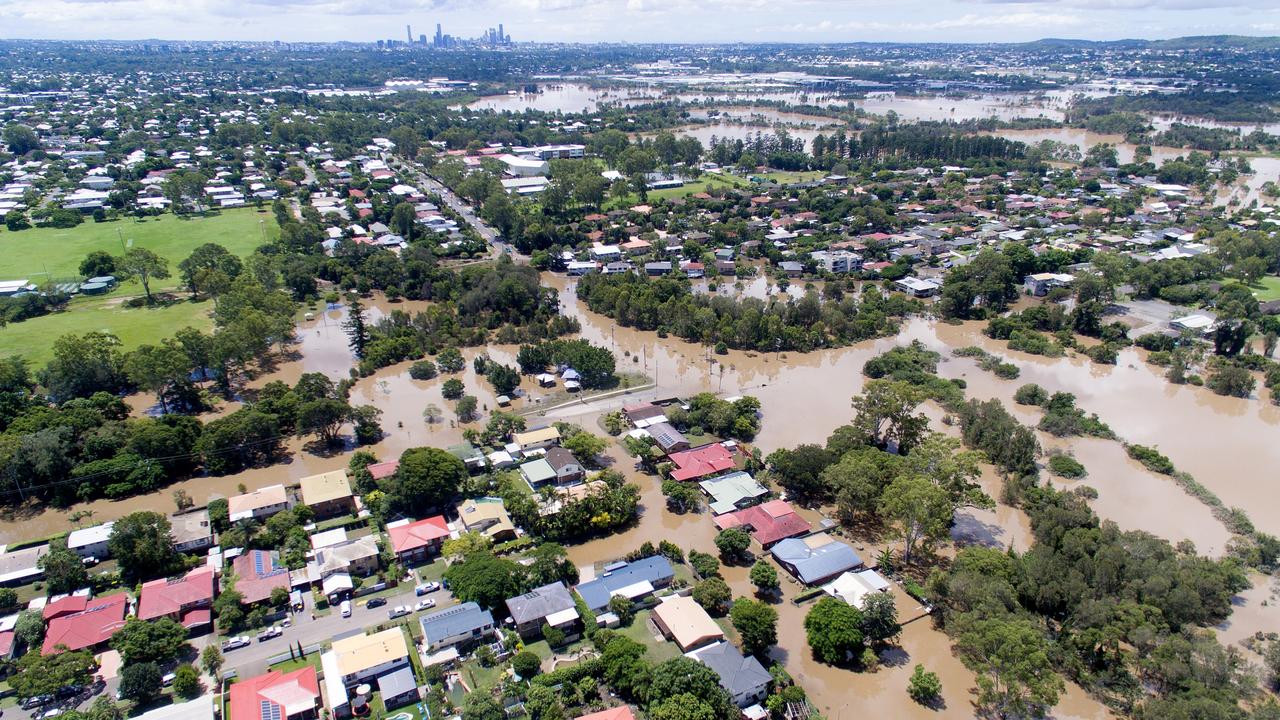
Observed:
{"x":333,"y":566}
{"x":854,"y":587}
{"x":565,"y":465}
{"x":731,"y":492}
{"x":837,"y":261}
{"x":91,"y":541}
{"x":459,"y":627}
{"x":199,"y":709}
{"x":1197,"y":324}
{"x":536,"y":439}
{"x":487,"y":516}
{"x":642,"y":415}
{"x":768,"y":523}
{"x":916,"y":287}
{"x":192,"y":531}
{"x":548,"y":605}
{"x":328,"y":494}
{"x":258,"y":573}
{"x":186,"y":599}
{"x":668,"y":438}
{"x":683,"y":620}
{"x":743,"y":677}
{"x":413,"y":542}
{"x":538,"y":473}
{"x":89,"y":629}
{"x":815,"y":559}
{"x":22,"y":566}
{"x":361,"y":659}
{"x":383,"y":470}
{"x":398,"y":688}
{"x":622,"y":712}
{"x":701,"y":462}
{"x":1042,"y":283}
{"x":259,"y":504}
{"x":8,"y":639}
{"x":277,"y":695}
{"x":633,"y":580}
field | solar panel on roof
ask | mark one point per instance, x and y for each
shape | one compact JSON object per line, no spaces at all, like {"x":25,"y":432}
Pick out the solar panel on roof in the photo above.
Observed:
{"x":257,"y":563}
{"x":268,"y":710}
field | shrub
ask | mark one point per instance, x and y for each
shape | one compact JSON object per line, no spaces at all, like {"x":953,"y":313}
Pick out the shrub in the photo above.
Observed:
{"x":423,"y":370}
{"x":924,"y":686}
{"x":1031,"y":394}
{"x":1066,"y":466}
{"x":1150,"y":458}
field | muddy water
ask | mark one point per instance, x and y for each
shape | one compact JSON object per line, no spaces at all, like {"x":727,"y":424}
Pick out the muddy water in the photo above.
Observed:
{"x":1256,"y":610}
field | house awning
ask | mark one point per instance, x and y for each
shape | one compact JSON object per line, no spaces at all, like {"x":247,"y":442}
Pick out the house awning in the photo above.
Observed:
{"x":562,"y":617}
{"x":198,"y":617}
{"x":635,"y":590}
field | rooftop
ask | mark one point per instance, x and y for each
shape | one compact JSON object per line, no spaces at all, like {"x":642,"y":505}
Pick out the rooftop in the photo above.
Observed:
{"x":361,"y":652}
{"x":88,"y":628}
{"x":701,"y":462}
{"x":325,"y":487}
{"x":275,"y":695}
{"x":405,"y":538}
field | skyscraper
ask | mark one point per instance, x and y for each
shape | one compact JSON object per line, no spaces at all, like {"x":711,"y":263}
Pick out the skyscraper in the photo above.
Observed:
{"x":439,"y":39}
{"x":502,"y":39}
{"x":408,"y":32}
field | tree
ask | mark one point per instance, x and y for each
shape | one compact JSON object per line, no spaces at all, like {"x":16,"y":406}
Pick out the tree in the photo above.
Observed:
{"x":104,"y":708}
{"x":357,"y":332}
{"x":452,"y":389}
{"x":211,"y":660}
{"x":756,"y":623}
{"x":684,"y":706}
{"x":158,"y":368}
{"x":585,"y":445}
{"x":64,"y":570}
{"x":764,"y":577}
{"x":681,"y":497}
{"x":685,"y":676}
{"x":28,"y":629}
{"x":526,"y":664}
{"x":623,"y":607}
{"x":20,"y":139}
{"x":885,"y":414}
{"x":1015,"y":674}
{"x":142,"y":544}
{"x":97,"y":264}
{"x":365,"y":422}
{"x":186,"y":681}
{"x":954,"y":471}
{"x":40,"y":674}
{"x":987,"y":281}
{"x":834,"y":630}
{"x":713,"y":594}
{"x":466,"y":408}
{"x":450,"y":361}
{"x":732,"y":544}
{"x":918,"y":510}
{"x":924,"y":687}
{"x":704,"y":564}
{"x":504,"y":378}
{"x":880,"y":618}
{"x":324,"y":417}
{"x":466,"y":544}
{"x":158,"y":641}
{"x":140,"y":683}
{"x":549,"y":563}
{"x":481,"y":706}
{"x":84,"y":364}
{"x":145,"y":265}
{"x":799,"y":470}
{"x":1228,"y":378}
{"x":486,"y":580}
{"x":209,"y":267}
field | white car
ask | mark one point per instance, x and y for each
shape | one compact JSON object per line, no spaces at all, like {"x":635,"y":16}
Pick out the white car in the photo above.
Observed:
{"x":399,"y":611}
{"x":425,"y":604}
{"x":236,"y":643}
{"x":269,"y":633}
{"x":425,"y":588}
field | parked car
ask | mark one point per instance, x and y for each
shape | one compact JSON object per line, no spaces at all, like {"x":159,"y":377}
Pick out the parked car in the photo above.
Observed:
{"x":376,"y":602}
{"x":235,"y":643}
{"x":425,"y":588}
{"x":345,"y":608}
{"x":32,"y":703}
{"x":50,"y":714}
{"x":67,"y":691}
{"x":425,"y":604}
{"x":168,"y":679}
{"x":399,"y":611}
{"x":271,"y":632}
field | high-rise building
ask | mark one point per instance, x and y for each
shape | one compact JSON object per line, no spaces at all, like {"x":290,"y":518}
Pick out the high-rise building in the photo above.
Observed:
{"x":408,"y":34}
{"x":439,"y":41}
{"x":501,"y":38}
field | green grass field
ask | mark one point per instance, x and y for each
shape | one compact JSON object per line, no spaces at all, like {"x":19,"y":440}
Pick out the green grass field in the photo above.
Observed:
{"x":58,"y":252}
{"x":1267,"y":289}
{"x":42,"y":253}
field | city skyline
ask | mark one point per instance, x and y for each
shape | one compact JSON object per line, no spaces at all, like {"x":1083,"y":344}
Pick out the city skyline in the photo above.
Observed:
{"x":640,"y":20}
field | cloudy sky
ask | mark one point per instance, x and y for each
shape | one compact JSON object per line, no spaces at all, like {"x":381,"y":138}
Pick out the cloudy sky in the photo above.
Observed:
{"x":639,"y":20}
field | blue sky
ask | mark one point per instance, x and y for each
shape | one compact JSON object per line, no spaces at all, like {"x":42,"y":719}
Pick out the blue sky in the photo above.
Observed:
{"x":639,"y":20}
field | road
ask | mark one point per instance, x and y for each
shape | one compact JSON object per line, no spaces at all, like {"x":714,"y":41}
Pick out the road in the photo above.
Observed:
{"x":429,"y":184}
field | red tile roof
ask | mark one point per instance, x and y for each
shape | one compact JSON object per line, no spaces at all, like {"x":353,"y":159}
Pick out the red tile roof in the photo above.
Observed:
{"x":701,"y":462}
{"x":275,"y":695}
{"x":65,"y":606}
{"x":769,"y":523}
{"x":171,"y":596}
{"x":416,"y":535}
{"x":383,"y":469}
{"x":100,"y":619}
{"x":6,"y":643}
{"x":258,"y":572}
{"x":622,"y":712}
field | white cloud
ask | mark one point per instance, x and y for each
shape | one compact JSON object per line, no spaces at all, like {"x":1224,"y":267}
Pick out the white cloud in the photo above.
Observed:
{"x":968,"y":21}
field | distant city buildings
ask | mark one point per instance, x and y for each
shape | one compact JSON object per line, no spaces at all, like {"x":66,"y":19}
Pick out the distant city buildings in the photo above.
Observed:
{"x":492,"y":37}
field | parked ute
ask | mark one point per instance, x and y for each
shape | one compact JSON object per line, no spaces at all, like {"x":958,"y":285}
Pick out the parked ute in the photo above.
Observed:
{"x":235,"y":643}
{"x":399,"y":611}
{"x":271,"y":632}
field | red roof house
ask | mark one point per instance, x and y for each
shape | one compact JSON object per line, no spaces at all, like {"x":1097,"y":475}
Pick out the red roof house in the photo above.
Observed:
{"x":383,"y":469}
{"x":769,"y":522}
{"x":186,"y":599}
{"x":700,"y":462}
{"x":277,"y":696}
{"x":413,"y":541}
{"x":65,"y":605}
{"x":90,"y":628}
{"x":622,"y":712}
{"x":258,"y":572}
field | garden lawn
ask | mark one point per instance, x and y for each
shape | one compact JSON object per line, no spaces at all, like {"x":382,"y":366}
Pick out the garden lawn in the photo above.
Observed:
{"x":31,"y":253}
{"x":638,"y":630}
{"x":34,"y":338}
{"x":1267,"y":289}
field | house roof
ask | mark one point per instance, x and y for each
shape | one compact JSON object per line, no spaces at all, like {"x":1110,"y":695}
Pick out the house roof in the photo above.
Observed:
{"x":66,"y":605}
{"x":665,"y":435}
{"x":258,"y":572}
{"x":727,"y":491}
{"x":547,"y":434}
{"x":339,"y":558}
{"x":559,"y":459}
{"x":687,"y":622}
{"x":383,"y":469}
{"x":642,"y":411}
{"x":255,"y":500}
{"x":738,"y":674}
{"x":199,"y":709}
{"x":191,"y":526}
{"x":275,"y":695}
{"x":486,"y":514}
{"x":22,"y":564}
{"x":397,"y":683}
{"x":700,"y":462}
{"x":361,"y":652}
{"x":769,"y":522}
{"x":852,"y":587}
{"x":622,"y":712}
{"x":85,"y":537}
{"x":93,"y":626}
{"x":167,"y":596}
{"x":540,"y":603}
{"x":538,"y":471}
{"x":456,"y":620}
{"x":405,"y":538}
{"x":813,"y":564}
{"x":325,"y":487}
{"x":653,"y":570}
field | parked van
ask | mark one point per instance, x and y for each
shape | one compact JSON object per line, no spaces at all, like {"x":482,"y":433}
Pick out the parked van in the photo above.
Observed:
{"x":345,"y":608}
